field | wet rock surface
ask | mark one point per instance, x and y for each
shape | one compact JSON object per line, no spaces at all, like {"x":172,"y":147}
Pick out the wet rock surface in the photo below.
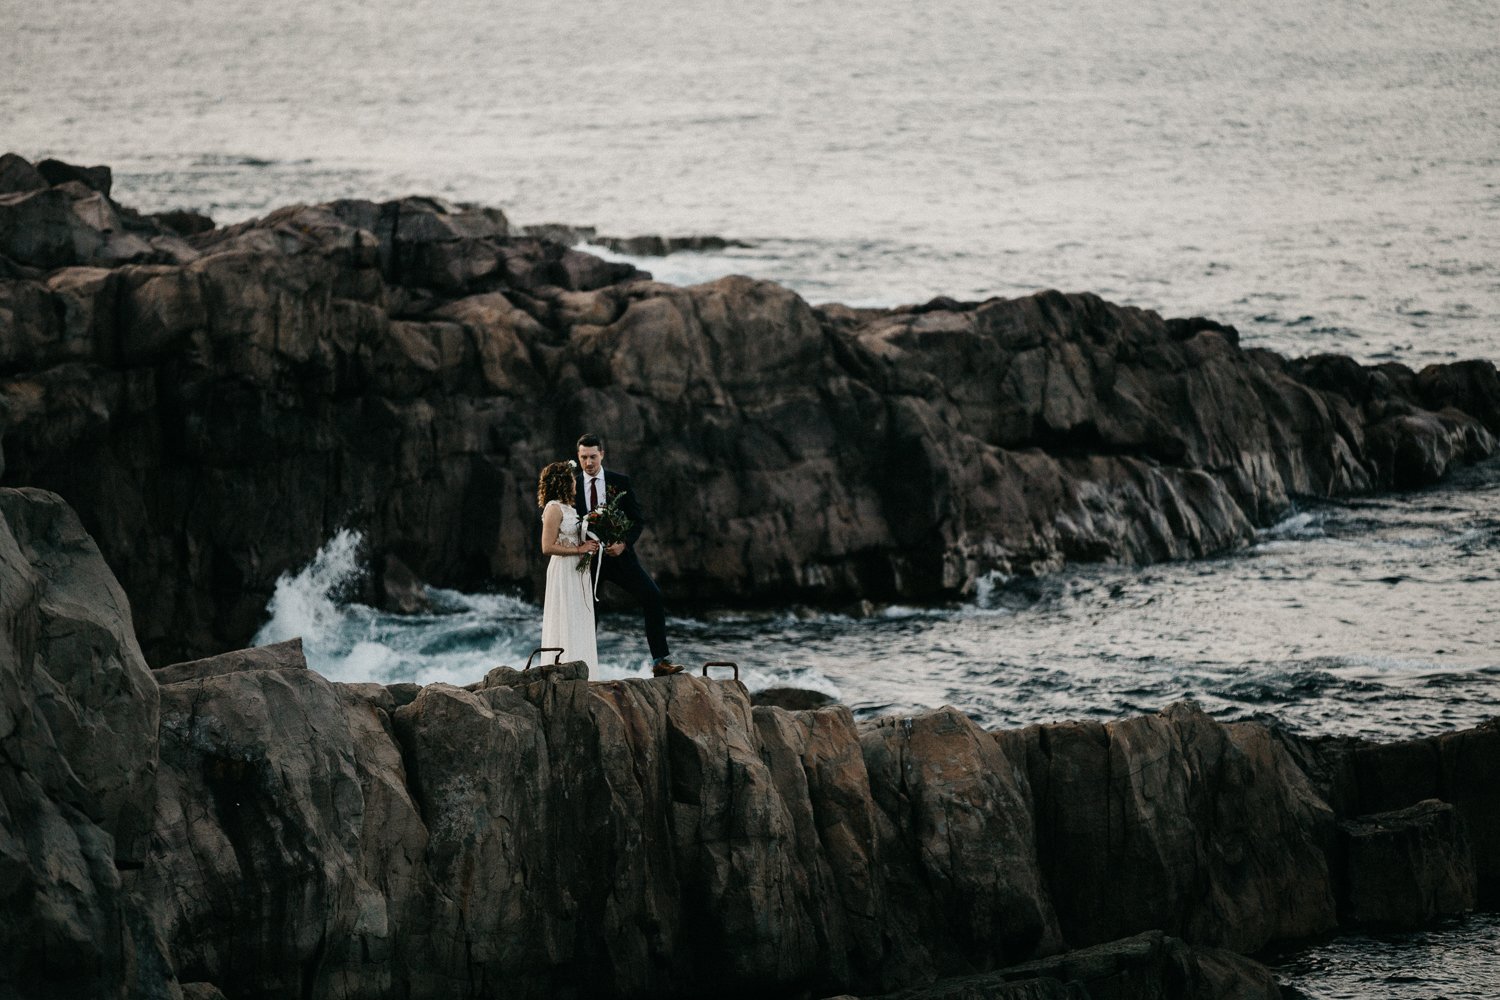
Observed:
{"x":796,"y":699}
{"x":1120,"y":806}
{"x":78,"y":762}
{"x":1375,"y":783}
{"x":1407,"y":866}
{"x":242,"y":825}
{"x":217,"y":402}
{"x":1148,"y":966}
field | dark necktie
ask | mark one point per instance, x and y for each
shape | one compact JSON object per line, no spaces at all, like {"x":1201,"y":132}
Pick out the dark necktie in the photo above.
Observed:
{"x":593,"y":493}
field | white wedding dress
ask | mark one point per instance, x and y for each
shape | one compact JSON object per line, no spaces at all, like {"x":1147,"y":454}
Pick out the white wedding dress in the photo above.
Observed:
{"x":568,"y":607}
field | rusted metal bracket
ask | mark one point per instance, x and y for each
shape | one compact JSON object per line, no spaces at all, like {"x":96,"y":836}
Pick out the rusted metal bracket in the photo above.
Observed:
{"x":722,"y":663}
{"x":545,"y":649}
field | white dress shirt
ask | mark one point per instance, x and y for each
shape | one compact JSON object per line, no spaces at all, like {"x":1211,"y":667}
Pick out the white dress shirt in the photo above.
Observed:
{"x":588,"y":481}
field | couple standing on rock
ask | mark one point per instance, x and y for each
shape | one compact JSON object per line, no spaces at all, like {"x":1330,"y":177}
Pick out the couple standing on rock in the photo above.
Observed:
{"x":591,"y":520}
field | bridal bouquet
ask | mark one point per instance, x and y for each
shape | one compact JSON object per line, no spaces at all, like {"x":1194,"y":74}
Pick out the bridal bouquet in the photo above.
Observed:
{"x":606,"y":522}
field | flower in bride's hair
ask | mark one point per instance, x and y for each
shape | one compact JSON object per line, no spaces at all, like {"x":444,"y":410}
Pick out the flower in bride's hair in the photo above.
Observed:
{"x":572,"y":465}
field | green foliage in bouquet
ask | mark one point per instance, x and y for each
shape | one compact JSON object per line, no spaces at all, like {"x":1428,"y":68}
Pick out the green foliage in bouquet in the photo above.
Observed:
{"x":608,"y":523}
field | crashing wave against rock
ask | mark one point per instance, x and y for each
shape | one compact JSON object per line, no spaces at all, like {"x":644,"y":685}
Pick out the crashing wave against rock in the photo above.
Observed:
{"x":216,"y":402}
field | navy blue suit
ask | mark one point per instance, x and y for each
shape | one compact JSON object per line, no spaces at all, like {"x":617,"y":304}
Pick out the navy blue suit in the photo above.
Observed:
{"x":625,"y":570}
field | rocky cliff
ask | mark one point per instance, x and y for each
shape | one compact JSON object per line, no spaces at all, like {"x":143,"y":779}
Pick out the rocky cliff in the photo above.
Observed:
{"x":241,"y":826}
{"x":218,"y":402}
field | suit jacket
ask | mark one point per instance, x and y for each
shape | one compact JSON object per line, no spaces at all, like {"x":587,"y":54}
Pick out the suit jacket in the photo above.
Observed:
{"x":618,"y":483}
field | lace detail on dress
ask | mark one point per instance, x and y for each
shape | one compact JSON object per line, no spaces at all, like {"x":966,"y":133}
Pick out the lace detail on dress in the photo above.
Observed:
{"x":567,"y":528}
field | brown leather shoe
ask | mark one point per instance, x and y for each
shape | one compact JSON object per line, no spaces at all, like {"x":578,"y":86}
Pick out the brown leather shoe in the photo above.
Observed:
{"x":664,"y":668}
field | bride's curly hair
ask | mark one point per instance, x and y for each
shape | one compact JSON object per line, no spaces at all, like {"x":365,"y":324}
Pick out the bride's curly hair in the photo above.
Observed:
{"x":555,"y":483}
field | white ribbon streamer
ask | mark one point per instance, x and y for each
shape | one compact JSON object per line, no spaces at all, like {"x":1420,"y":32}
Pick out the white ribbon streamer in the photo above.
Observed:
{"x":598,"y":560}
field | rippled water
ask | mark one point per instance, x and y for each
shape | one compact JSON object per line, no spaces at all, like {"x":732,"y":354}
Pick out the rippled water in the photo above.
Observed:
{"x":1377,"y":616}
{"x":1459,"y":960}
{"x":1322,"y":175}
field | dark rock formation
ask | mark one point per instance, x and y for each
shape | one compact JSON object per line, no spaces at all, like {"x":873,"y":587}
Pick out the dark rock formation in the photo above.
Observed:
{"x":241,"y":824}
{"x":635,"y":246}
{"x":56,"y":173}
{"x":1405,"y":867}
{"x":18,"y":175}
{"x":794,"y":699}
{"x":661,"y":246}
{"x":561,"y":232}
{"x":1366,"y":779}
{"x":1169,"y":787}
{"x":78,"y":764}
{"x":398,"y":589}
{"x":1149,"y":966}
{"x":184,"y":222}
{"x":217,"y":406}
{"x":278,"y":656}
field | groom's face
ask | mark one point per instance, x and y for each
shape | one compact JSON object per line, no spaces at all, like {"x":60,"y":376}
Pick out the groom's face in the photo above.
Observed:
{"x":591,"y":459}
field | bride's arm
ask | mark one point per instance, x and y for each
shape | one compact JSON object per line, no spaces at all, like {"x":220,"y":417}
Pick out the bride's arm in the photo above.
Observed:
{"x":551,"y":520}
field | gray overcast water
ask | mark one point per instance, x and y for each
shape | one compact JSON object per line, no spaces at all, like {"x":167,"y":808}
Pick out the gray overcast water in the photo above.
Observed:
{"x":1322,"y":175}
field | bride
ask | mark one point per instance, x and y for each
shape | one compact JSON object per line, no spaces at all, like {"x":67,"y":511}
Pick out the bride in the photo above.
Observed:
{"x":568,"y":608}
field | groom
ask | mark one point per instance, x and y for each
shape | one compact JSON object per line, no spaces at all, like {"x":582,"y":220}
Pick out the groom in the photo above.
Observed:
{"x":596,"y":485}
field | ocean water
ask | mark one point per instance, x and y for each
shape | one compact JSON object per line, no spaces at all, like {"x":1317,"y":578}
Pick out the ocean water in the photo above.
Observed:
{"x":1374,"y":616}
{"x":1457,"y":960}
{"x":1322,"y":175}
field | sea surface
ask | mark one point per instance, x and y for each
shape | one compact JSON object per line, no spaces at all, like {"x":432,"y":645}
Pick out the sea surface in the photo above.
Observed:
{"x":1374,"y":616}
{"x":1457,"y":960}
{"x":1321,"y":174}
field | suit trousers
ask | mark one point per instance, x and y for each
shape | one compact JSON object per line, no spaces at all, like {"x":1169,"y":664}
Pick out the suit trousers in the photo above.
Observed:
{"x":625,"y":571}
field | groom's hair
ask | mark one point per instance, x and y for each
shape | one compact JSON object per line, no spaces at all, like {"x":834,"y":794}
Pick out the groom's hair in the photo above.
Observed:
{"x":591,"y":441}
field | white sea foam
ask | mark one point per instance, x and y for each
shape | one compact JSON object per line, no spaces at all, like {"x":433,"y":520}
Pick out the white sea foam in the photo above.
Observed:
{"x":472,"y":633}
{"x":987,"y":590}
{"x":348,"y":641}
{"x":1299,"y":524}
{"x":306,"y":603}
{"x":1101,"y":641}
{"x":785,"y":674}
{"x":485,"y":604}
{"x":683,"y":268}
